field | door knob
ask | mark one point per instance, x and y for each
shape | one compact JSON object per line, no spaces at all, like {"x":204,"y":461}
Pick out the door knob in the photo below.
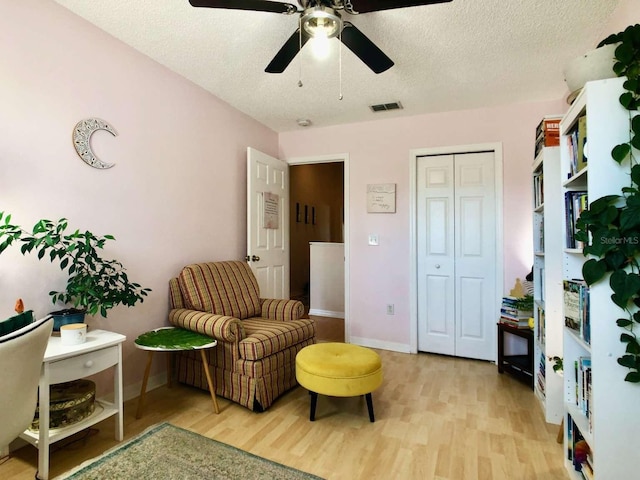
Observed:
{"x":437,"y":265}
{"x":255,"y":258}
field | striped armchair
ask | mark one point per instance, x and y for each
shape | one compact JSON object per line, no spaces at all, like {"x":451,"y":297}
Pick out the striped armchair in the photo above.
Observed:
{"x":258,"y":339}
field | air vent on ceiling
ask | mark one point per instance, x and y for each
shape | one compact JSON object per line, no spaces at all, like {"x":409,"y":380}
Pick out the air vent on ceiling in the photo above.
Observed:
{"x":383,"y":107}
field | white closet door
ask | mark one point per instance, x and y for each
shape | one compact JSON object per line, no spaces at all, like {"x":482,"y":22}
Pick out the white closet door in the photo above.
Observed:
{"x":436,"y":256}
{"x":457,"y":255}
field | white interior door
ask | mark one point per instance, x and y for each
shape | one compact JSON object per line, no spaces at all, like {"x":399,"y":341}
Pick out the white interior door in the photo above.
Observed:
{"x":457,"y":255}
{"x":268,"y":223}
{"x":436,"y":256}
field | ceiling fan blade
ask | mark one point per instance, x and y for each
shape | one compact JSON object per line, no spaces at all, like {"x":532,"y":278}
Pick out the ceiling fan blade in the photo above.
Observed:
{"x":287,"y":53}
{"x":364,"y":6}
{"x":365,"y":49}
{"x":255,"y":5}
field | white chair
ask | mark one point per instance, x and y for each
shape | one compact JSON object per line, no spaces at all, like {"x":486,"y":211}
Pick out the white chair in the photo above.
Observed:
{"x":21,"y":355}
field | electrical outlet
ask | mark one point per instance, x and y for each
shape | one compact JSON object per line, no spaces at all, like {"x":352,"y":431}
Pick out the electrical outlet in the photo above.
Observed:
{"x":390,"y":309}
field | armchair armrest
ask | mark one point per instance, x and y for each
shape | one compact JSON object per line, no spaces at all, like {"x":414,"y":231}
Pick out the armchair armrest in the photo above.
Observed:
{"x":221,"y":327}
{"x":283,"y":310}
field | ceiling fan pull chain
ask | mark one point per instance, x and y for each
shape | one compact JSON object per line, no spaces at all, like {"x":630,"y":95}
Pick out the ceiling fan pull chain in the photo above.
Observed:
{"x":299,"y":48}
{"x":340,"y":66}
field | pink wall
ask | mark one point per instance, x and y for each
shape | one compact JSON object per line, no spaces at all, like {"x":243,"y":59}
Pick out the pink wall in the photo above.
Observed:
{"x":379,"y":153}
{"x":177,"y":192}
{"x":627,"y":13}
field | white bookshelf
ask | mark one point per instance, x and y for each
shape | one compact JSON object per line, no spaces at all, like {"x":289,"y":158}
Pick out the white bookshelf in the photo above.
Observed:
{"x":611,"y":428}
{"x":547,"y":270}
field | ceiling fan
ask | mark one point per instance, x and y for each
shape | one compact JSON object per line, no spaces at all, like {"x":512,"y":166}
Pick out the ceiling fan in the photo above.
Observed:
{"x":320,"y":18}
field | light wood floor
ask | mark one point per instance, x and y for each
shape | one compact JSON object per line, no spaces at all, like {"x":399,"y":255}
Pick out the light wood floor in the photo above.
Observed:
{"x":437,"y":418}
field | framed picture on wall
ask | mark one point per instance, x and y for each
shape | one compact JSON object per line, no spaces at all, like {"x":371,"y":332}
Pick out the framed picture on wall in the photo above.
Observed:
{"x":381,"y":198}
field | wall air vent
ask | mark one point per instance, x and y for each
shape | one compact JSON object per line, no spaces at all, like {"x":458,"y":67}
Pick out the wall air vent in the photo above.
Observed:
{"x":383,"y":107}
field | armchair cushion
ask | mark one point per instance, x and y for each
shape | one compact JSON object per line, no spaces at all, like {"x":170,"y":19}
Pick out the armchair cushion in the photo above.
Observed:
{"x":283,"y":310}
{"x":222,"y":328}
{"x":225,"y":288}
{"x":266,"y":337}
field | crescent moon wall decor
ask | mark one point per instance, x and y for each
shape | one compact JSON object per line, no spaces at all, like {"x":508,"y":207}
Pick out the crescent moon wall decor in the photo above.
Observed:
{"x":82,"y":140}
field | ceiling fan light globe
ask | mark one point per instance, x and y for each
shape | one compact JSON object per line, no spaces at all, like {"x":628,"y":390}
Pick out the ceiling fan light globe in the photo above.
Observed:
{"x":321,"y":22}
{"x":320,"y":47}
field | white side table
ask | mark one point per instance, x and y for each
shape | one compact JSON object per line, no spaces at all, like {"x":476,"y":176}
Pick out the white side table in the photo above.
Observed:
{"x":63,"y":363}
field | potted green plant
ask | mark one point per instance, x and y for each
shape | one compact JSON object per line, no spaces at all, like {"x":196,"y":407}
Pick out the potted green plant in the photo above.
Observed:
{"x":595,"y":64}
{"x":94,"y":285}
{"x":610,"y":227}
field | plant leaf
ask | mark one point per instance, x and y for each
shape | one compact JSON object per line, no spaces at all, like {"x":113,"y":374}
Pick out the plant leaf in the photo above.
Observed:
{"x":628,"y":361}
{"x":621,"y":152}
{"x":624,"y":322}
{"x":626,"y":100}
{"x":626,"y":338}
{"x":624,"y":52}
{"x":632,"y":377}
{"x":593,"y":270}
{"x":629,"y":218}
{"x":625,"y":286}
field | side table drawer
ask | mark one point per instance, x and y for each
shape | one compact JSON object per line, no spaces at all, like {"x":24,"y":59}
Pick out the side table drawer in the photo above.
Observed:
{"x":82,"y":365}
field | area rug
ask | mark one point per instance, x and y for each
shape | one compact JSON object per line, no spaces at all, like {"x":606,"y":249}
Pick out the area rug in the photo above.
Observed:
{"x":165,"y":452}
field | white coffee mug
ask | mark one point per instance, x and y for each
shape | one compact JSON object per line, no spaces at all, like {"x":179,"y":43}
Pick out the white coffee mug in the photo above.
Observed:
{"x":73,"y":333}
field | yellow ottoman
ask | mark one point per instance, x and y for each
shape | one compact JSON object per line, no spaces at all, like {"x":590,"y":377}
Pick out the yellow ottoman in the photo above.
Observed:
{"x":338,"y":370}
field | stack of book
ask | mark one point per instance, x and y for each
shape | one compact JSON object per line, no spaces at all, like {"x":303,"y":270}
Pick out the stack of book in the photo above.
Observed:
{"x":547,"y":133}
{"x":512,"y":314}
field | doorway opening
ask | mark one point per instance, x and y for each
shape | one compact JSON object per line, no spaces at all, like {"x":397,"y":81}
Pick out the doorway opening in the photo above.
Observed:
{"x":318,"y":241}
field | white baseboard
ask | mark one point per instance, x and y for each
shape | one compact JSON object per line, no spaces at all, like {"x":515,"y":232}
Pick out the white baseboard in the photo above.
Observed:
{"x":325,"y":313}
{"x":368,"y":342}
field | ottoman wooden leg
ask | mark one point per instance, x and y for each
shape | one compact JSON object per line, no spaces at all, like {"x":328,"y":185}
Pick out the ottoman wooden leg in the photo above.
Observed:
{"x":370,"y":406}
{"x":314,"y":401}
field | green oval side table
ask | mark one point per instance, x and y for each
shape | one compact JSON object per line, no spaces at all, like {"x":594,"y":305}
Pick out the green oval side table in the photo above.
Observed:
{"x":173,"y":339}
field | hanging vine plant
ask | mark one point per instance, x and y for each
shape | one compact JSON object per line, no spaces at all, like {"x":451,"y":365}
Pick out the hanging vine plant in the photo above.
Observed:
{"x":610,"y":227}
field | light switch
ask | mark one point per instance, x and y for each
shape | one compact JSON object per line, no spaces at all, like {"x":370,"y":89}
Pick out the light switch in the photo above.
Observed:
{"x":373,"y":239}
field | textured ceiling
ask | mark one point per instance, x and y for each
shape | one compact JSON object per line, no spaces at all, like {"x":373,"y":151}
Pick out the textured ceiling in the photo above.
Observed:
{"x":459,"y":55}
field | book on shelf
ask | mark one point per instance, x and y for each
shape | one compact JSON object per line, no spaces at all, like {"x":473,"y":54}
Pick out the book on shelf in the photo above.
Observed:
{"x":576,"y":308}
{"x":583,"y":385}
{"x":581,"y":161}
{"x":538,"y":189}
{"x":541,"y":236}
{"x":578,"y":450}
{"x":542,"y":374}
{"x":547,"y":133}
{"x":522,"y":324}
{"x":587,"y":469}
{"x":540,"y":326}
{"x":575,"y":202}
{"x":577,"y":147}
